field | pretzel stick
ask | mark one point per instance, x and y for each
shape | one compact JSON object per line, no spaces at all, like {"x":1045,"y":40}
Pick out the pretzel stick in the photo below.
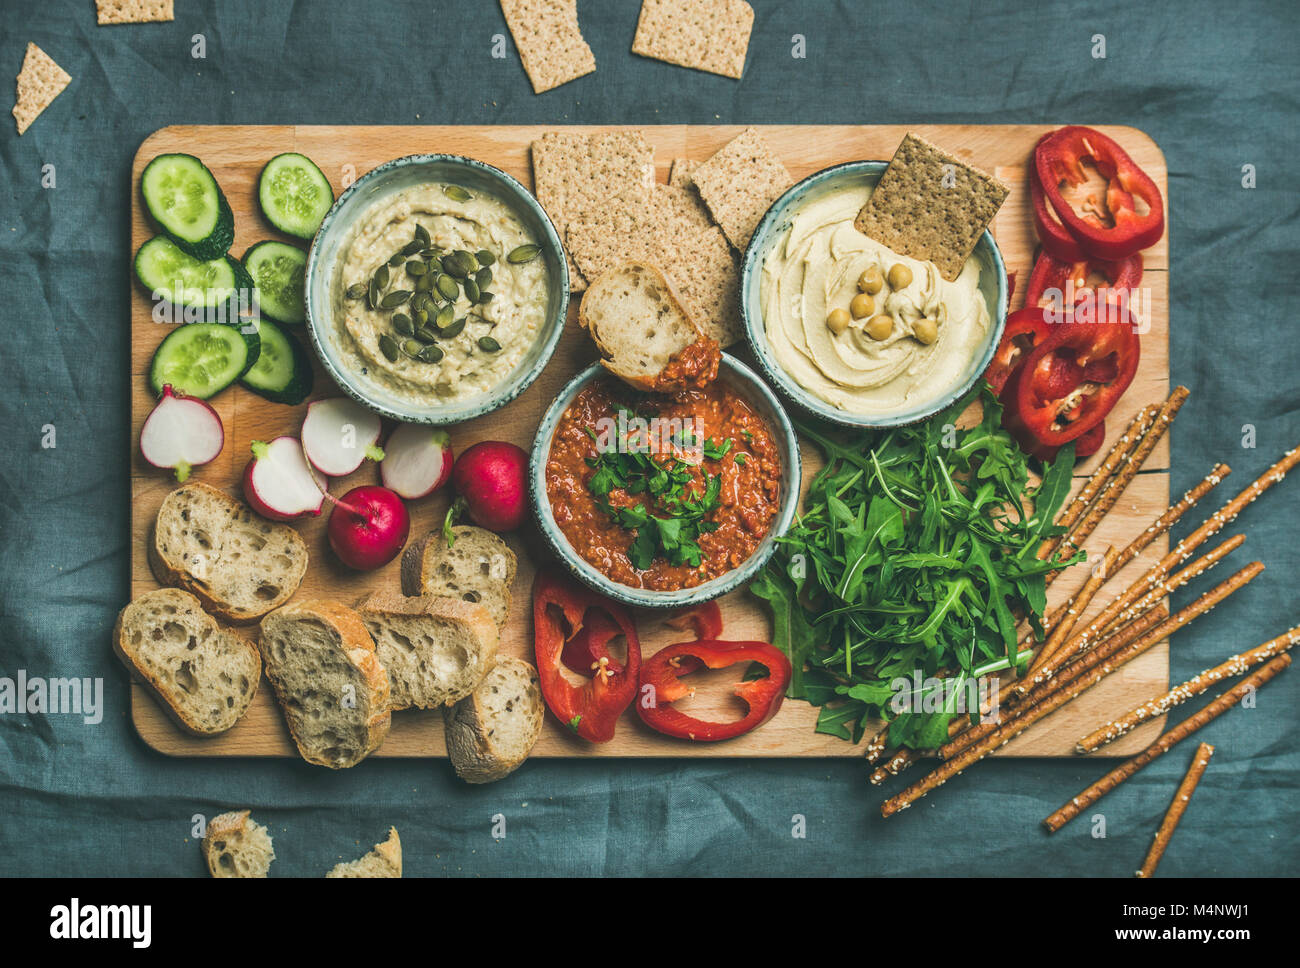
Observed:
{"x":1076,"y":607}
{"x":895,"y":765}
{"x":1116,"y":486}
{"x":1074,"y":510}
{"x":1199,"y":683}
{"x":1166,"y":742}
{"x":876,"y":745}
{"x":1092,"y":666}
{"x":1008,"y":731}
{"x":1176,"y":809}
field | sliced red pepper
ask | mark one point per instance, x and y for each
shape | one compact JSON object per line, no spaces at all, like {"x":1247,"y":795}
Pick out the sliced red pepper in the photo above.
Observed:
{"x":662,"y":672}
{"x":705,"y":621}
{"x":1054,"y":237}
{"x":1085,"y":446}
{"x":1024,"y":330}
{"x":562,"y":612}
{"x":1058,"y":285}
{"x":1070,"y":381}
{"x":1118,"y":231}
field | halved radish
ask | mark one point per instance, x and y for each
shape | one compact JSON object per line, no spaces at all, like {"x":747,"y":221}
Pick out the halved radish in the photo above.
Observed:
{"x":278,"y":484}
{"x":338,"y":434}
{"x":181,"y":433}
{"x":417,"y":460}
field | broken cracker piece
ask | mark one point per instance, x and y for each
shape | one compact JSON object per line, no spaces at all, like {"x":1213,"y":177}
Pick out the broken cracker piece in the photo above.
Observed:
{"x":134,"y":11}
{"x":931,"y":206}
{"x":707,"y":35}
{"x":549,"y":41}
{"x":39,"y":82}
{"x":740,"y":183}
{"x":680,"y":172}
{"x":708,"y":279}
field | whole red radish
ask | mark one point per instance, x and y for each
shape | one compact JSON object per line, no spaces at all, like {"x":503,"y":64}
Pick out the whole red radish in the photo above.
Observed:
{"x":490,"y":477}
{"x":368,"y":527}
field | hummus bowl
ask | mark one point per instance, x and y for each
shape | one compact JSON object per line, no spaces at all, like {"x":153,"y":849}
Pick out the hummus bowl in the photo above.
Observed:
{"x":492,"y":348}
{"x":775,"y":448}
{"x":802,"y":269}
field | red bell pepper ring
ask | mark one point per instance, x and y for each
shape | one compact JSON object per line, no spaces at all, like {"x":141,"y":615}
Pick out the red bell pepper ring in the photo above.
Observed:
{"x":1058,"y":285}
{"x":1070,"y":381}
{"x":1121,"y":230}
{"x":1054,"y":237}
{"x":562,"y":612}
{"x":705,"y":621}
{"x":1025,"y":329}
{"x":590,"y":644}
{"x":661,"y":686}
{"x":1085,"y":446}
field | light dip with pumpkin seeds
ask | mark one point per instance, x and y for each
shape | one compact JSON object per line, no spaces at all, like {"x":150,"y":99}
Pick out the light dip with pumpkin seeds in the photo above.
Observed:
{"x":440,"y":294}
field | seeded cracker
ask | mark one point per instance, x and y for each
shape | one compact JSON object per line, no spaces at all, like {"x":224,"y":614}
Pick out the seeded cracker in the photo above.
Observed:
{"x":39,"y":82}
{"x":739,"y":183}
{"x":916,"y":212}
{"x":575,"y":173}
{"x":134,"y":11}
{"x":707,"y":35}
{"x":549,"y":41}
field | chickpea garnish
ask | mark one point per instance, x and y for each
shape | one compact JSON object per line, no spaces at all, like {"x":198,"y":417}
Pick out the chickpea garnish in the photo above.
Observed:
{"x":838,"y":321}
{"x":900,"y":276}
{"x":862,"y":305}
{"x":879,"y":327}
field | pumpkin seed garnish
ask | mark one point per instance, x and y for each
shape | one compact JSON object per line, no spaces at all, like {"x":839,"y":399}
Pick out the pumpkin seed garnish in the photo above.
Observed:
{"x":483,"y":277}
{"x":471,"y":290}
{"x":430,"y":354}
{"x":428,"y":333}
{"x":395,"y":299}
{"x":382,"y":276}
{"x":356,"y":290}
{"x":485,"y":297}
{"x":484,"y":257}
{"x":421,"y":235}
{"x":416,"y":268}
{"x":452,"y":330}
{"x":419,"y":316}
{"x":412,"y":247}
{"x":456,"y":193}
{"x":372,"y":293}
{"x":447,"y":286}
{"x":388,"y":346}
{"x":524,"y":253}
{"x":396,"y":258}
{"x":488,"y":345}
{"x":402,"y":323}
{"x":451,"y":265}
{"x":412,"y":346}
{"x":424,"y":283}
{"x":445,"y":315}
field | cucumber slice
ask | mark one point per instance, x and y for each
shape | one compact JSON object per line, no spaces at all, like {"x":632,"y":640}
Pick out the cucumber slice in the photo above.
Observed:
{"x":283,"y":371}
{"x":187,"y":203}
{"x":175,"y":275}
{"x":278,"y":271}
{"x":294,"y":194}
{"x":202,"y":359}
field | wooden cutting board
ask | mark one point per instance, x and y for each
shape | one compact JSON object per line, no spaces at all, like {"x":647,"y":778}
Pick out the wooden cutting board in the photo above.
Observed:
{"x":236,"y":154}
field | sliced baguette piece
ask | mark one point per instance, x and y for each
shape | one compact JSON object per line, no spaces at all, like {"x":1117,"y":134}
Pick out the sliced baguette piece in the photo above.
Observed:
{"x":434,"y":649}
{"x":334,"y":692}
{"x":641,"y":326}
{"x":204,"y":675}
{"x":490,"y":732}
{"x":235,"y":846}
{"x":478,"y":567}
{"x":384,"y":861}
{"x":213,"y":546}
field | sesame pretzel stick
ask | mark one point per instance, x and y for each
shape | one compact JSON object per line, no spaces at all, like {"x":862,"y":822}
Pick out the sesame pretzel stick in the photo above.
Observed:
{"x":1199,"y":683}
{"x":1166,"y":742}
{"x":876,"y":745}
{"x":1092,"y":666}
{"x":1176,"y":809}
{"x":1076,"y":607}
{"x":1008,"y":731}
{"x":1100,"y":477}
{"x":1116,"y":486}
{"x":893,"y":766}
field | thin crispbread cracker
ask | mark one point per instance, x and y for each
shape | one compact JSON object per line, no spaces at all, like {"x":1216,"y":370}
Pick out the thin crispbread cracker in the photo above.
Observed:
{"x":549,"y":41}
{"x":575,"y":173}
{"x":707,"y":35}
{"x":931,"y":206}
{"x":134,"y":11}
{"x":679,"y":173}
{"x":627,"y":228}
{"x":739,"y":183}
{"x":39,"y":82}
{"x":708,"y":279}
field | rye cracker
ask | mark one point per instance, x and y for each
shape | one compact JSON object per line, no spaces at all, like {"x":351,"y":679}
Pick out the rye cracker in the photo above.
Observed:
{"x":708,"y":279}
{"x":707,"y":35}
{"x":576,"y":173}
{"x":549,"y":41}
{"x":39,"y":82}
{"x":134,"y":11}
{"x":739,"y":183}
{"x":931,"y":206}
{"x":679,"y":173}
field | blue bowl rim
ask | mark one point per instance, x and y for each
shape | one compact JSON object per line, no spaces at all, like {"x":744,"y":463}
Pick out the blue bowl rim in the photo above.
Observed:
{"x":803,"y":399}
{"x":505,"y":392}
{"x":791,"y":476}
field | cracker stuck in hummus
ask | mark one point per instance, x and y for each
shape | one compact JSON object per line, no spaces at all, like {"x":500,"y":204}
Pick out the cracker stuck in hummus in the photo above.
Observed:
{"x":39,"y":82}
{"x":931,"y":206}
{"x":707,"y":35}
{"x":549,"y":41}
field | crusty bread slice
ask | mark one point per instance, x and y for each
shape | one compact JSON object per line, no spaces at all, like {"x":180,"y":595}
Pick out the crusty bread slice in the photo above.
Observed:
{"x":478,"y":567}
{"x":239,"y":565}
{"x":384,"y":861}
{"x":204,"y":675}
{"x":434,"y":649}
{"x":492,"y":730}
{"x":321,"y":662}
{"x":640,"y":326}
{"x":235,"y":846}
